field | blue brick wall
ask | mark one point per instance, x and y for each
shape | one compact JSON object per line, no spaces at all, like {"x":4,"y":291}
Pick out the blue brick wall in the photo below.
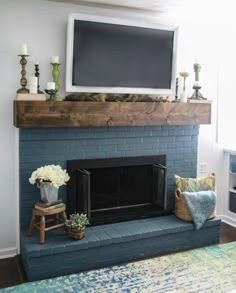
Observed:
{"x":57,"y":145}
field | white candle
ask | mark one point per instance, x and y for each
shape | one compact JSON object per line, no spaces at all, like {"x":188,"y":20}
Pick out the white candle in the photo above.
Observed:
{"x":33,"y":85}
{"x":23,"y":49}
{"x":55,"y":59}
{"x":196,"y":61}
{"x":37,"y":62}
{"x":51,"y":86}
{"x":196,"y":84}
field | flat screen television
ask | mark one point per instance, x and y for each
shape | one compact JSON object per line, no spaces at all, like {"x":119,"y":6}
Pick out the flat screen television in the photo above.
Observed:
{"x":111,"y":55}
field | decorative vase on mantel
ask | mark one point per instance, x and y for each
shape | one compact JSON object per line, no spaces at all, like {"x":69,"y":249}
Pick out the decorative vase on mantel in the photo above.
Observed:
{"x":48,"y":192}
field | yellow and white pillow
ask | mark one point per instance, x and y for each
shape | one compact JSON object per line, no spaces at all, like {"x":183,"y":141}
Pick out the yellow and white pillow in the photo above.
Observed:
{"x":195,"y":184}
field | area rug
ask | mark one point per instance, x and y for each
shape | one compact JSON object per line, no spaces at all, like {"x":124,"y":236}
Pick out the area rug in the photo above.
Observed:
{"x":209,"y":269}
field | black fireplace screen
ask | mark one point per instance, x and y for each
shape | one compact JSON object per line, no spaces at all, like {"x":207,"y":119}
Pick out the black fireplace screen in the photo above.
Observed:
{"x":117,"y":189}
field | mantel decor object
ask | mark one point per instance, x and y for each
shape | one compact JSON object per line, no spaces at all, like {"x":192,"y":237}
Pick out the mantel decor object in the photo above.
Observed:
{"x":51,"y":90}
{"x":56,"y":75}
{"x":196,"y":86}
{"x":37,"y":75}
{"x":176,"y":91}
{"x":23,"y":80}
{"x":183,"y":96}
{"x":51,"y":94}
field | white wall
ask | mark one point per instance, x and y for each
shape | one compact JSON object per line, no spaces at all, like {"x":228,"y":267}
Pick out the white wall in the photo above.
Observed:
{"x":42,"y":25}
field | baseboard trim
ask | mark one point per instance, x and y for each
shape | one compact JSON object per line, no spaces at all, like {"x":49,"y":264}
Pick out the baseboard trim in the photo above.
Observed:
{"x":228,"y":220}
{"x":8,"y":252}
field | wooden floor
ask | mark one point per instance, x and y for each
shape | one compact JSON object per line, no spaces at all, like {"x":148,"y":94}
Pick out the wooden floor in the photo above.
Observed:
{"x":12,"y":273}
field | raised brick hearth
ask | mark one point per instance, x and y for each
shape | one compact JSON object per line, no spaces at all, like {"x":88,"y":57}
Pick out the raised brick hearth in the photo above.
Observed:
{"x":112,"y":244}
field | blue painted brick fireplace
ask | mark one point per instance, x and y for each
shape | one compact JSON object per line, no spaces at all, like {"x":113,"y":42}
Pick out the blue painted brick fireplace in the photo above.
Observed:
{"x":108,"y":244}
{"x":57,"y":145}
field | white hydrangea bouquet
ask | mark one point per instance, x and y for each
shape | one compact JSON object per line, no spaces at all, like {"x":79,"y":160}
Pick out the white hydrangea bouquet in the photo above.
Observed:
{"x":49,"y":178}
{"x":53,"y":174}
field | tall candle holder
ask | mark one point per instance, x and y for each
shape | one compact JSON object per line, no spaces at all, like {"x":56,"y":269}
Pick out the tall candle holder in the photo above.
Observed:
{"x":196,"y":86}
{"x":23,"y":80}
{"x":37,"y":75}
{"x":183,"y":96}
{"x":177,"y":89}
{"x":56,"y":75}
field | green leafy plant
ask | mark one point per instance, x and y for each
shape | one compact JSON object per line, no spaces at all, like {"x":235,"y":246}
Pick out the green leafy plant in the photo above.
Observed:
{"x":77,"y":221}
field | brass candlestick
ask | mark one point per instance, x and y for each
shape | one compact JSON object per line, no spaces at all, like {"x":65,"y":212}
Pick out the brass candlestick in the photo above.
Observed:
{"x":23,"y":80}
{"x":56,"y":75}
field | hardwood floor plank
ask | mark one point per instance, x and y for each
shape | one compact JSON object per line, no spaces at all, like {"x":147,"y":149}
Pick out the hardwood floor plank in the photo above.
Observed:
{"x":9,"y":272}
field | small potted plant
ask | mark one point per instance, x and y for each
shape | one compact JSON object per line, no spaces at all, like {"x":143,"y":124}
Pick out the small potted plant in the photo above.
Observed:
{"x":76,"y":224}
{"x":49,"y":178}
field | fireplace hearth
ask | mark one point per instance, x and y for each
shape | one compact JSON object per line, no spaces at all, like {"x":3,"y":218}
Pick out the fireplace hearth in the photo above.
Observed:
{"x":118,"y":189}
{"x":109,"y":244}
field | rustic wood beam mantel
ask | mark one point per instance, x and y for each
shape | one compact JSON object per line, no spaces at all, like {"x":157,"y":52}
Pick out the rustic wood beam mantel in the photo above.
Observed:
{"x":44,"y":114}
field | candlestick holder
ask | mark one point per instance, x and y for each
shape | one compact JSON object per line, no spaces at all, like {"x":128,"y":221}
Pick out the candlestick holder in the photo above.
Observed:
{"x":196,"y":86}
{"x":51,"y":94}
{"x":177,"y":90}
{"x":183,"y":96}
{"x":23,"y":80}
{"x":37,"y":75}
{"x":56,"y":75}
{"x":197,"y":94}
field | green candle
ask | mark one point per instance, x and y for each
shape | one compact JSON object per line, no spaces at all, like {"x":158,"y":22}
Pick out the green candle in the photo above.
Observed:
{"x":197,"y":68}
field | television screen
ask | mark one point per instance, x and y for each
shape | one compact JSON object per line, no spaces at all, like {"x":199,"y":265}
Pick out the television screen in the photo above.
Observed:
{"x":110,"y":56}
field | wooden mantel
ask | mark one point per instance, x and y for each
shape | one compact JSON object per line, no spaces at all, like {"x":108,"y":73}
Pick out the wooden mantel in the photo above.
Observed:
{"x":43,"y":114}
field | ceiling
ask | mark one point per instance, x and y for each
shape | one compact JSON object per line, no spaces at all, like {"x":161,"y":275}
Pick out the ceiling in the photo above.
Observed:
{"x":153,"y":5}
{"x":180,"y":11}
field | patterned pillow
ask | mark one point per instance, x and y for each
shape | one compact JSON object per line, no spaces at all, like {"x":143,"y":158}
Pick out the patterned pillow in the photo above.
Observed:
{"x":195,"y":184}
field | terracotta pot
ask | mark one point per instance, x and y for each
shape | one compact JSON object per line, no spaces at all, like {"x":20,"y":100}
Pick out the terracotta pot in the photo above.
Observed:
{"x":76,"y":234}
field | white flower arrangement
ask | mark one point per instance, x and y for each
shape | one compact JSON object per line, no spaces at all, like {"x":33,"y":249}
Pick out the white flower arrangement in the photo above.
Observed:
{"x":53,"y":174}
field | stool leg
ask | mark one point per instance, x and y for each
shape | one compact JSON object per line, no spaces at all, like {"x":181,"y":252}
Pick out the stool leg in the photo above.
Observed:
{"x":57,"y":218}
{"x":42,"y":229}
{"x":64,"y":218}
{"x":31,"y":227}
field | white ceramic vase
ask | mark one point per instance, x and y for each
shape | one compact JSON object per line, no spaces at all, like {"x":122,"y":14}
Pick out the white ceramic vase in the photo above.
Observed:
{"x":48,"y":192}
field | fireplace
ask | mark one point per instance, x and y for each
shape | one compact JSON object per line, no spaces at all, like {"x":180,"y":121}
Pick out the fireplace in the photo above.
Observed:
{"x":118,"y":189}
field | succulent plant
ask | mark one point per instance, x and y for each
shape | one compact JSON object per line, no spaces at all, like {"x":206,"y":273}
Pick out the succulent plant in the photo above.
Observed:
{"x":77,"y":221}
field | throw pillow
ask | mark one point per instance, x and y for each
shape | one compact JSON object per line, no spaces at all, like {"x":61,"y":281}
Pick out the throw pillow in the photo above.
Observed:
{"x":195,"y":184}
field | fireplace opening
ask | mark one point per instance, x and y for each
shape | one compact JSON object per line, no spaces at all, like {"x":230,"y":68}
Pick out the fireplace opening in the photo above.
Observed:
{"x":118,"y":189}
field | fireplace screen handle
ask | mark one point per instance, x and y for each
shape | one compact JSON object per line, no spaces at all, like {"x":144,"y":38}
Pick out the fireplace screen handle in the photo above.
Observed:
{"x":83,"y":192}
{"x":159,"y":185}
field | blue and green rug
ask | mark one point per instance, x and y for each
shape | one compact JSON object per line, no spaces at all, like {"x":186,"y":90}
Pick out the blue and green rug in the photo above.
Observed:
{"x":209,"y":269}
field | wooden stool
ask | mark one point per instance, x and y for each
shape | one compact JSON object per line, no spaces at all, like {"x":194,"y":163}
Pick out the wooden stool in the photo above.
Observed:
{"x":59,"y":222}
